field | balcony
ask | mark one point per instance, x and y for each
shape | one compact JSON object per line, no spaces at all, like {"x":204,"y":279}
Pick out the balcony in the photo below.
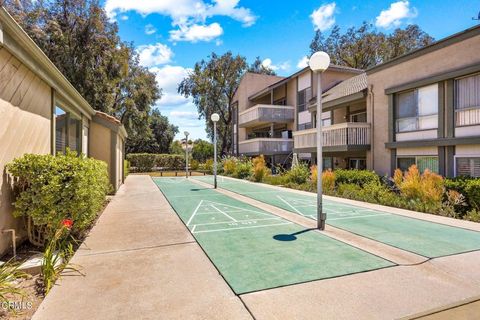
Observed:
{"x":264,"y":114}
{"x":265,"y":146}
{"x":348,"y":136}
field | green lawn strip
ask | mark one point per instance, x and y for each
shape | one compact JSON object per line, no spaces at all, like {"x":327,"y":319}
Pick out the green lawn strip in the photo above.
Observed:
{"x":428,"y":239}
{"x":245,"y":252}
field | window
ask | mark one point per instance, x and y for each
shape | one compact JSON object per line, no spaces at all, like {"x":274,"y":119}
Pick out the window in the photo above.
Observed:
{"x":60,"y":130}
{"x":303,"y":97}
{"x":467,"y":166}
{"x":417,"y":109}
{"x":68,"y":131}
{"x":326,"y":119}
{"x":327,"y":163}
{"x":422,"y":162}
{"x":467,"y":100}
{"x":74,"y":134}
{"x":467,"y":92}
{"x":360,"y":163}
{"x":359,"y":117}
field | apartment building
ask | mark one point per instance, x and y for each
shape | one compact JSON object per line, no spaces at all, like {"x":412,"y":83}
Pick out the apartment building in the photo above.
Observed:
{"x":269,"y":110}
{"x":425,"y":108}
{"x":42,"y":113}
{"x":421,"y":108}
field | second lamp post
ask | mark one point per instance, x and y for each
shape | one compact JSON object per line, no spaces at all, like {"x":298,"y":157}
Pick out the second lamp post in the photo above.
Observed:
{"x":215,"y":117}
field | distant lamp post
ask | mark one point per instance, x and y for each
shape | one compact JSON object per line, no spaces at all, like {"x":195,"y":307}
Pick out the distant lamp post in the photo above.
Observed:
{"x":186,"y":153}
{"x":318,"y":63}
{"x":215,"y":117}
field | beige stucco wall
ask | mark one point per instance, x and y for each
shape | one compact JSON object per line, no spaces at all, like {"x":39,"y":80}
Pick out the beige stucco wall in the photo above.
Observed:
{"x":455,"y":56}
{"x":100,"y":143}
{"x":25,"y":127}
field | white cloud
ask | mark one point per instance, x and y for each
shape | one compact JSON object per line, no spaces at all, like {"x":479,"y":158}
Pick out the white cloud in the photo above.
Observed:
{"x":168,"y":78}
{"x":196,"y":32}
{"x":154,"y":54}
{"x":393,"y":16}
{"x":124,"y":17}
{"x":189,"y":115}
{"x":181,"y":111}
{"x":323,"y":18}
{"x":267,"y":63}
{"x":189,"y":16}
{"x":150,"y":29}
{"x":303,"y":62}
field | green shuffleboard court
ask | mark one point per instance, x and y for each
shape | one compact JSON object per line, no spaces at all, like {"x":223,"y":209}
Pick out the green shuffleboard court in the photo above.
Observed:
{"x":425,"y":238}
{"x":255,"y":250}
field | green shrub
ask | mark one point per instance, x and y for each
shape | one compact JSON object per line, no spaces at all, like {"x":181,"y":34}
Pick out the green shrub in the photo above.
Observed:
{"x":358,"y":177}
{"x":299,"y":174}
{"x":194,"y":165}
{"x":472,"y":215}
{"x":126,"y":168}
{"x":243,"y":169}
{"x":209,"y":166}
{"x":146,"y":162}
{"x":469,"y":187}
{"x":142,"y":162}
{"x":229,"y":165}
{"x":51,"y":188}
{"x":260,"y":170}
{"x":277,"y":180}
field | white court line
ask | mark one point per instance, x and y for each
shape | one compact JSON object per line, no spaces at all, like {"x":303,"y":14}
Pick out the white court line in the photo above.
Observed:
{"x":288,"y":204}
{"x":194,"y":212}
{"x":356,"y":217}
{"x":239,"y":221}
{"x":249,"y":227}
{"x":225,"y":214}
{"x":193,"y":229}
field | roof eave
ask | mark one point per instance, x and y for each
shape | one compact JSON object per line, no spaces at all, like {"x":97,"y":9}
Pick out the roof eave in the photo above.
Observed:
{"x":17,"y":41}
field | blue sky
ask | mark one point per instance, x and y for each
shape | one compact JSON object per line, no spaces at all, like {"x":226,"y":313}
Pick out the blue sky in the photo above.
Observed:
{"x":171,"y":35}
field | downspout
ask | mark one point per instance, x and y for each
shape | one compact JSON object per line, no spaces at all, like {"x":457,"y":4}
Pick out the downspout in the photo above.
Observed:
{"x":372,"y":144}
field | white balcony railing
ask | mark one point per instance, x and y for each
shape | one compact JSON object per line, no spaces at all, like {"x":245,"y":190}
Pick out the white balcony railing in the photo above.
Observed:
{"x":266,"y":113}
{"x":341,"y":134}
{"x":265,"y":146}
{"x":467,"y":117}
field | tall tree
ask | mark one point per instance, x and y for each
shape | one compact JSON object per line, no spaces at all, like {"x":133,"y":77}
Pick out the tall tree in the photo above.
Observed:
{"x":212,"y":84}
{"x":80,"y":40}
{"x":257,"y":66}
{"x":202,"y":150}
{"x":365,"y":46}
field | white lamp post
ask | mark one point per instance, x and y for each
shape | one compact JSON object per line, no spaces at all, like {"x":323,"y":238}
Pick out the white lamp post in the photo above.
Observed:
{"x":215,"y":117}
{"x":186,"y":153}
{"x":318,"y":63}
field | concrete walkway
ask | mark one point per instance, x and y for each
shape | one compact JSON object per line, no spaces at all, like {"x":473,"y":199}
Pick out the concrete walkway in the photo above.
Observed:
{"x":141,"y":263}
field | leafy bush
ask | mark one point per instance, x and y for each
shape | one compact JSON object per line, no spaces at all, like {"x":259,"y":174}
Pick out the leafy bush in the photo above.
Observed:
{"x":314,"y":175}
{"x":328,"y":182}
{"x":194,"y":165}
{"x":126,"y":168}
{"x":53,"y":188}
{"x":425,"y":191}
{"x":243,"y":169}
{"x":349,"y":190}
{"x":359,"y":177}
{"x":229,"y":165}
{"x":146,"y":162}
{"x":472,"y":215}
{"x":469,"y":187}
{"x":299,"y":174}
{"x":142,"y":162}
{"x":209,"y":166}
{"x":260,"y":169}
{"x":277,"y":180}
{"x":170,"y":161}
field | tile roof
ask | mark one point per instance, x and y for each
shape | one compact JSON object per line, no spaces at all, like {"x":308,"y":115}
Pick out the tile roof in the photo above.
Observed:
{"x":108,"y":117}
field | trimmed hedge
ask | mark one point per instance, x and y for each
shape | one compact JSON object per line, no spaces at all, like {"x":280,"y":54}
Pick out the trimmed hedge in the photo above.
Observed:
{"x":145,"y":162}
{"x":51,"y":188}
{"x":358,"y":177}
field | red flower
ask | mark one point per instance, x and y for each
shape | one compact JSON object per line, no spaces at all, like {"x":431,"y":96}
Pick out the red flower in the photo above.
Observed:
{"x":67,"y":223}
